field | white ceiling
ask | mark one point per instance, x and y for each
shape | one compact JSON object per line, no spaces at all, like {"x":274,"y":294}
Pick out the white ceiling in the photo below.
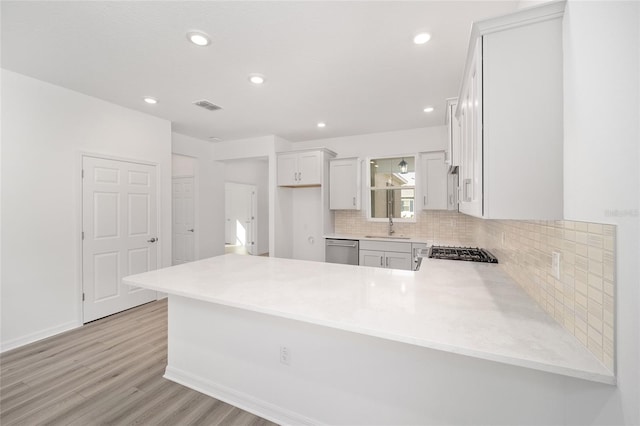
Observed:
{"x":350,"y":64}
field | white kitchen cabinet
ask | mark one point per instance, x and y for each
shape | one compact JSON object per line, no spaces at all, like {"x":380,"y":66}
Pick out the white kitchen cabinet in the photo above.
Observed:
{"x":414,"y":253}
{"x":301,"y":206}
{"x":470,"y":169}
{"x":434,"y":180}
{"x":390,"y":260}
{"x":453,"y":134}
{"x":510,"y":113}
{"x":301,"y":168}
{"x":344,"y":184}
{"x":383,"y":254}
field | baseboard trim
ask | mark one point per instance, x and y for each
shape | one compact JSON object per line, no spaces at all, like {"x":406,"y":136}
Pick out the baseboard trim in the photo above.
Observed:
{"x":39,"y":335}
{"x":238,"y":399}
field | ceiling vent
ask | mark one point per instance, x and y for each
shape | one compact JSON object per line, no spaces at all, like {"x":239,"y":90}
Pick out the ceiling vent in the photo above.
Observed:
{"x":207,"y":105}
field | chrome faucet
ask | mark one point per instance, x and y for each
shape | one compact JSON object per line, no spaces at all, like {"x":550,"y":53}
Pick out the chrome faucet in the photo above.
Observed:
{"x":391,"y":231}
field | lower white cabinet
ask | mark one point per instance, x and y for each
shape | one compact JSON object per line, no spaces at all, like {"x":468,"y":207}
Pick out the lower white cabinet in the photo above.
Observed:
{"x":383,"y":254}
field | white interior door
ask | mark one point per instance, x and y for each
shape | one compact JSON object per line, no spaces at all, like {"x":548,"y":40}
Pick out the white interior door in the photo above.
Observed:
{"x":241,"y":207}
{"x":119,"y":223}
{"x":183,"y":206}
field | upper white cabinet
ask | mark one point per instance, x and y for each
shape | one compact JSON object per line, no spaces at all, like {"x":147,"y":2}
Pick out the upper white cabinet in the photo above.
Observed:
{"x":344,"y":184}
{"x":510,"y":114}
{"x":453,"y":133}
{"x":434,"y":180}
{"x":301,"y":168}
{"x":470,"y":118}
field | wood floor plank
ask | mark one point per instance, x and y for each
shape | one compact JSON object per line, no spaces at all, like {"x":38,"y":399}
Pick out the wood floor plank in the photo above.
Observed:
{"x":107,"y":372}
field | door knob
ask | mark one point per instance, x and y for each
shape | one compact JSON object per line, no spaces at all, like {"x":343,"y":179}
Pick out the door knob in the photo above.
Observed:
{"x":152,"y":240}
{"x":190,"y":230}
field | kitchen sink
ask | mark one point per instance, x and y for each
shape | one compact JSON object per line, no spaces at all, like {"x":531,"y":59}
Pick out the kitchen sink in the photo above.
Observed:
{"x":387,"y":237}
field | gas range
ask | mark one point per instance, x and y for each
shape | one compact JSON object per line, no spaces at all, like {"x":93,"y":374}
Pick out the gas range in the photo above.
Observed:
{"x":469,"y":254}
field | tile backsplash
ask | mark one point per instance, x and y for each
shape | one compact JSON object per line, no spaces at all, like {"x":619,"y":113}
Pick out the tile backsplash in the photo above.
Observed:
{"x":582,"y":300}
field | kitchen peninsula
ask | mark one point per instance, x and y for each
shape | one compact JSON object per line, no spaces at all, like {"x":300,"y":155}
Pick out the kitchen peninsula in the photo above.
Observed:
{"x":302,"y":342}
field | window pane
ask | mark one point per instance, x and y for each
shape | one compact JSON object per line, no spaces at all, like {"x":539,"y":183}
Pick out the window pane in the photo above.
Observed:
{"x":397,"y":202}
{"x":387,"y":172}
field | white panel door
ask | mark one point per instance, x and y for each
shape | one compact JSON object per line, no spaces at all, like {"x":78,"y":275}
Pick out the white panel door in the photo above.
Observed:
{"x":183,"y":207}
{"x":119,"y":222}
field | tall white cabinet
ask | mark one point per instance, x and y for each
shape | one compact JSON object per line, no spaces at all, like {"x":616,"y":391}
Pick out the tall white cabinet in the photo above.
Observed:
{"x":303,"y":203}
{"x":510,"y":114}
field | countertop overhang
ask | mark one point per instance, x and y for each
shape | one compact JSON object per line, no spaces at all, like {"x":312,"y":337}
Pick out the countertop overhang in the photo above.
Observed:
{"x":465,"y":308}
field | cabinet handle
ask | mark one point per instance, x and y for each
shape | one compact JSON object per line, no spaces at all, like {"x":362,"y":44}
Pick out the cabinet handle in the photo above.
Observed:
{"x":354,"y":201}
{"x":387,"y":262}
{"x":466,"y":190}
{"x":381,"y":261}
{"x":424,"y":200}
{"x":299,"y":176}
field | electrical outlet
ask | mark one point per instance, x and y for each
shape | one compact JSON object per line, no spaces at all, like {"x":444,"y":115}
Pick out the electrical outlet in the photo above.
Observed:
{"x":555,"y":264}
{"x":285,"y":355}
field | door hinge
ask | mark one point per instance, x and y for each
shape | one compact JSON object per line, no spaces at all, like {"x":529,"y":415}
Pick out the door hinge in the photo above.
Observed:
{"x":83,"y":297}
{"x":82,"y":173}
{"x":83,"y":235}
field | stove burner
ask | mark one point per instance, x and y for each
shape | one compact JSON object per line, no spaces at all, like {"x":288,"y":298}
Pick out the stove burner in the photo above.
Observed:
{"x":462,"y":253}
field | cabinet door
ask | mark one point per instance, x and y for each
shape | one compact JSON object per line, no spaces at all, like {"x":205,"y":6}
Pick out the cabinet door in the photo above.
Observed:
{"x":471,"y":140}
{"x":454,"y":135}
{"x":372,"y":258}
{"x":398,"y":261}
{"x":344,"y":184}
{"x":287,"y":170}
{"x":310,"y":168}
{"x":434,"y":181}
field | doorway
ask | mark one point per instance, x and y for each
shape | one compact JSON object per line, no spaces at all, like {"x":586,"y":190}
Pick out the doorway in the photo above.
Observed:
{"x":183,"y":219}
{"x":241,"y":218}
{"x":119,"y":234}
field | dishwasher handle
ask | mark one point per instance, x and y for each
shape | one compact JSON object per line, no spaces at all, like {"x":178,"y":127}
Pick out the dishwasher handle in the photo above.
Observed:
{"x":342,"y":243}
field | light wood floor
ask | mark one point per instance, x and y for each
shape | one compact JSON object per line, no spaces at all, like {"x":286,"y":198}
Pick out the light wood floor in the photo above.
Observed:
{"x":106,"y":372}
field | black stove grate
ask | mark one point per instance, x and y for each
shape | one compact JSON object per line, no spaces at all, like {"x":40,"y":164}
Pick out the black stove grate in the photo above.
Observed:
{"x":469,"y":254}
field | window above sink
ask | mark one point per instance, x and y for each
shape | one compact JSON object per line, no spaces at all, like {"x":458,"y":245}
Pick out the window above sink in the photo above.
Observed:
{"x":391,"y":183}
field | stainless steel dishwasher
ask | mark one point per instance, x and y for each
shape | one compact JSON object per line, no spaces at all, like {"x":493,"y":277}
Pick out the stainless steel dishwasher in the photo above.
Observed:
{"x":341,"y":251}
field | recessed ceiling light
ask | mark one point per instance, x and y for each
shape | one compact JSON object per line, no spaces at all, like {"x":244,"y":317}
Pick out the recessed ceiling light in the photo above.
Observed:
{"x":429,"y":109}
{"x":422,"y":38}
{"x":256,"y":78}
{"x":321,"y":124}
{"x":150,"y":100}
{"x":198,"y":38}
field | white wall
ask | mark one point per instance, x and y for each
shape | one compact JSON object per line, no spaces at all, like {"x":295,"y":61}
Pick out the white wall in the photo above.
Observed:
{"x":602,"y":178}
{"x":209,"y":181}
{"x":182,"y":165}
{"x":254,"y":172}
{"x":411,"y":141}
{"x":279,"y":213}
{"x":45,"y":130}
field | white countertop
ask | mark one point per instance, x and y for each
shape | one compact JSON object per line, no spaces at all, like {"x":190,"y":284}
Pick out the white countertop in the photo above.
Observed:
{"x":400,"y":238}
{"x":466,"y":308}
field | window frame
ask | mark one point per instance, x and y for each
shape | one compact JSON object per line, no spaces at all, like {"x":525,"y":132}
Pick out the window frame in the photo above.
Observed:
{"x":369,"y":188}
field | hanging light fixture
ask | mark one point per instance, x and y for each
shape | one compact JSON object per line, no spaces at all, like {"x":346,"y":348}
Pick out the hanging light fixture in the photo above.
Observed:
{"x":404,"y":166}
